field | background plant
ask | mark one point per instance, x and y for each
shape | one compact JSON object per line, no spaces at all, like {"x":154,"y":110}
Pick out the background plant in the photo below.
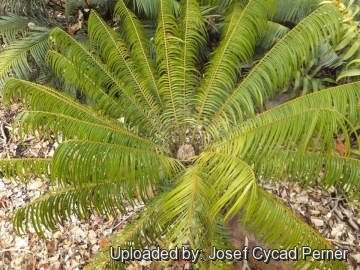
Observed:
{"x":182,"y":134}
{"x":24,"y":28}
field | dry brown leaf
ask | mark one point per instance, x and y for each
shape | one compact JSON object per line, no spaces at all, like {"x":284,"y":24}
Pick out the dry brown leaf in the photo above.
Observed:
{"x":182,"y":262}
{"x":103,"y":243}
{"x":56,"y":266}
{"x":3,"y":203}
{"x":52,"y":246}
{"x":119,"y":228}
{"x":300,"y":215}
{"x":57,"y":234}
{"x":340,"y":147}
{"x":35,"y":185}
{"x":317,"y":222}
{"x":45,"y":265}
{"x":92,"y":237}
{"x":73,"y":28}
{"x":210,"y":24}
{"x":95,"y":223}
{"x":302,"y":198}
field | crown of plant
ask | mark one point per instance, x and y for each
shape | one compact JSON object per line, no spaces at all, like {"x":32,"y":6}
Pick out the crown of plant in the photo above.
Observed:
{"x":156,"y":124}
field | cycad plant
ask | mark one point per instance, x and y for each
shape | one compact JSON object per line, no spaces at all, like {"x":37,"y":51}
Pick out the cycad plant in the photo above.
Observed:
{"x":24,"y":29}
{"x":187,"y":138}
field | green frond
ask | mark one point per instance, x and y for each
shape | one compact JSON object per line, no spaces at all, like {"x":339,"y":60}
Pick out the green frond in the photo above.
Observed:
{"x":26,"y":7}
{"x":343,"y":98}
{"x":289,"y":231}
{"x":149,"y":8}
{"x":93,"y":67}
{"x":69,"y":127}
{"x":80,"y":162}
{"x":56,"y":206}
{"x":145,"y":228}
{"x":294,"y":11}
{"x":41,"y":98}
{"x":220,"y":238}
{"x":276,"y":68}
{"x":64,"y":109}
{"x":78,"y":65}
{"x":168,"y":54}
{"x":66,"y":69}
{"x":233,"y":177}
{"x":339,"y":171}
{"x":193,"y":34}
{"x":273,"y":33}
{"x":13,"y":27}
{"x":292,"y":132}
{"x":117,"y":57}
{"x":139,"y":46}
{"x":243,"y":27}
{"x":24,"y":168}
{"x":14,"y":60}
{"x":189,"y":201}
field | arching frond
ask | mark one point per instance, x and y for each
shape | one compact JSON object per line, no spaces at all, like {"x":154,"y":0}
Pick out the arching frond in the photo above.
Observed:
{"x":193,"y":33}
{"x":337,"y":171}
{"x":292,"y":132}
{"x":243,"y":27}
{"x":233,"y":177}
{"x":25,"y":167}
{"x":132,"y":235}
{"x":185,"y":214}
{"x":13,"y":27}
{"x":80,"y":162}
{"x":274,"y":33}
{"x":189,"y":202}
{"x":62,"y":203}
{"x":343,"y":99}
{"x":115,"y":54}
{"x":93,"y":67}
{"x":289,"y":232}
{"x":139,"y":46}
{"x":14,"y":60}
{"x":294,"y":11}
{"x":69,"y":127}
{"x":168,"y":54}
{"x":276,"y":68}
{"x":44,"y":99}
{"x":26,"y":7}
{"x":64,"y":68}
{"x":41,"y":98}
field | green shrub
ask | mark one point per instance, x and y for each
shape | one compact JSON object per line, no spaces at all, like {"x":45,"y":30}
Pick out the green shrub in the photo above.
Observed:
{"x":186,"y":138}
